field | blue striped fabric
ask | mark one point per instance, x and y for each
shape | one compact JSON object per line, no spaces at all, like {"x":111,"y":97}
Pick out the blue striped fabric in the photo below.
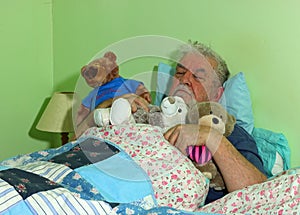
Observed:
{"x":53,"y":181}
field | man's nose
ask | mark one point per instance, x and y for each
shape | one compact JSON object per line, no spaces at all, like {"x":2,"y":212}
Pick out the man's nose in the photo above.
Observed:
{"x":186,"y":78}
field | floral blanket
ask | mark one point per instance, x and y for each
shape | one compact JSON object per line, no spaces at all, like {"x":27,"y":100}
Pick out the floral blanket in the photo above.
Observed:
{"x":129,"y":170}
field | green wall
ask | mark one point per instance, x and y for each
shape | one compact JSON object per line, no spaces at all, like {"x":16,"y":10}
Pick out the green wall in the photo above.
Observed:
{"x":259,"y":38}
{"x":26,"y":73}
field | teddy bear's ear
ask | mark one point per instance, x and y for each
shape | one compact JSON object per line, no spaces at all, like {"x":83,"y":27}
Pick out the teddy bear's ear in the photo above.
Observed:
{"x":115,"y":71}
{"x":109,"y":63}
{"x":111,"y":56}
{"x":83,"y":69}
{"x":229,"y":126}
{"x":193,"y":114}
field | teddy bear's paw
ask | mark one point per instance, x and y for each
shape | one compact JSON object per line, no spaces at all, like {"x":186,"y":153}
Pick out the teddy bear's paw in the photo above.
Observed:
{"x":101,"y":116}
{"x":216,"y":187}
{"x":121,"y":112}
{"x":208,"y":175}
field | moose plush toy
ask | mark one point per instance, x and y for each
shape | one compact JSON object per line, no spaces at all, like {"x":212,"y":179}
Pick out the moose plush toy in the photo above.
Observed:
{"x":214,"y":115}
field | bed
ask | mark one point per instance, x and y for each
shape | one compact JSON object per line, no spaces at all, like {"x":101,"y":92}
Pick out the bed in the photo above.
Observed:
{"x":133,"y":170}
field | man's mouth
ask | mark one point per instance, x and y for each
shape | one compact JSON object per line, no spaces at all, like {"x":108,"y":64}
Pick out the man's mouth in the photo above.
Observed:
{"x":184,"y":93}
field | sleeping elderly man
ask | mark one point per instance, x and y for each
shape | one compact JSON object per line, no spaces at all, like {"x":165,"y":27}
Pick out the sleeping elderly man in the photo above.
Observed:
{"x":200,"y":74}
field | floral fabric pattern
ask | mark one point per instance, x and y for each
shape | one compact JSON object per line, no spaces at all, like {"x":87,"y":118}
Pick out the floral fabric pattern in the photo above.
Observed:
{"x":278,"y":195}
{"x":175,"y":180}
{"x":31,"y":184}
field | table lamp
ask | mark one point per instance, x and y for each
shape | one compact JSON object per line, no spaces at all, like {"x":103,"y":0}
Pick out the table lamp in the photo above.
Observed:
{"x":57,"y":116}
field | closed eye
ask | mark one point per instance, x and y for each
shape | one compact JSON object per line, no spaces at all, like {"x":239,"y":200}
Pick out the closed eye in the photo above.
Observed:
{"x":180,"y":71}
{"x":199,"y":74}
{"x":198,"y":78}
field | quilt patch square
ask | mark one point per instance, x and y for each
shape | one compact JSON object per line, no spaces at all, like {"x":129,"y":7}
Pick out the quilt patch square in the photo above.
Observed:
{"x":26,"y":183}
{"x":87,"y":152}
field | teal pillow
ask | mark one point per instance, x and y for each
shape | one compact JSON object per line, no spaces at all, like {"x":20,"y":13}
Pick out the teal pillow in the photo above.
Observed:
{"x":165,"y":73}
{"x":236,"y":97}
{"x":237,"y":101}
{"x":269,"y":144}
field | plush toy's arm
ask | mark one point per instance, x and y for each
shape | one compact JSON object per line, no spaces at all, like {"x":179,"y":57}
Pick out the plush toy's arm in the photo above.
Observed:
{"x":82,"y":113}
{"x":106,"y":104}
{"x":88,"y":122}
{"x":85,"y":117}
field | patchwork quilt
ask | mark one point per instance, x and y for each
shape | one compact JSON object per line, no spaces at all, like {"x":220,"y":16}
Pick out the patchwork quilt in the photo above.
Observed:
{"x":128,"y":170}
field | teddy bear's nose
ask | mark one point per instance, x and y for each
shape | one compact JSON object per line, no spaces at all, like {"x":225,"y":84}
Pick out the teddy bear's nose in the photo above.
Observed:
{"x":91,"y":72}
{"x":215,"y":120}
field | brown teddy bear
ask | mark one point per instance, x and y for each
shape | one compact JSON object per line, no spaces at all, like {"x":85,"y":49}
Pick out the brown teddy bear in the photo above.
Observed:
{"x":214,"y":115}
{"x":102,"y":74}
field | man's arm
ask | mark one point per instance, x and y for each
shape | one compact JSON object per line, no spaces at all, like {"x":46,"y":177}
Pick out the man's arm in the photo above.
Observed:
{"x":236,"y":170}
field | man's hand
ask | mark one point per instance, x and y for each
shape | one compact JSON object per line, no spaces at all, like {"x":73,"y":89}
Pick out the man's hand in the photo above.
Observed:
{"x":182,"y":136}
{"x":135,"y":101}
{"x":143,"y":92}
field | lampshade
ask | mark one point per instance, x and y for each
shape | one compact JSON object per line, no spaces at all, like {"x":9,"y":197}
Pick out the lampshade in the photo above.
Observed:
{"x":57,"y":116}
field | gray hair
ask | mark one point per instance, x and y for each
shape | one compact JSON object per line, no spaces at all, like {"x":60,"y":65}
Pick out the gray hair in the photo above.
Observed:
{"x":221,"y":70}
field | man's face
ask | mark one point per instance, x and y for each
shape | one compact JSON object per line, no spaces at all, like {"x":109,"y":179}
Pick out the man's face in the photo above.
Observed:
{"x":195,"y":79}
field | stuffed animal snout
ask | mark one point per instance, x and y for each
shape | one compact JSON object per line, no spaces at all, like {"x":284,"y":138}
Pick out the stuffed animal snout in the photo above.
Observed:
{"x":101,"y":70}
{"x":174,"y":111}
{"x":90,"y":72}
{"x":214,"y":122}
{"x":171,"y":106}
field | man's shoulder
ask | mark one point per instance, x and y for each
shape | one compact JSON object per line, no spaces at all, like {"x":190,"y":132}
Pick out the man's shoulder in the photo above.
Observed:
{"x":240,"y":134}
{"x":246,"y":145}
{"x":242,"y":141}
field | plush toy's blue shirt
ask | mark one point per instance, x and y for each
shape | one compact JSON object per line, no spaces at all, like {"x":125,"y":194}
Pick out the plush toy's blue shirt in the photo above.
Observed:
{"x":117,"y":87}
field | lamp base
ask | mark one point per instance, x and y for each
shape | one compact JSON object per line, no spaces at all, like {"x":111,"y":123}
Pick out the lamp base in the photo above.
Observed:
{"x":64,"y":137}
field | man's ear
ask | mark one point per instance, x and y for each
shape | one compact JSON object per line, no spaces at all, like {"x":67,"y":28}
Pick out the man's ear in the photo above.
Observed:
{"x":219,"y":94}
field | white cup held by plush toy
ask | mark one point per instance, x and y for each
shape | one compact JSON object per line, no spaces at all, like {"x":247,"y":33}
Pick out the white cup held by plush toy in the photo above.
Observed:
{"x":120,"y":112}
{"x":101,"y":116}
